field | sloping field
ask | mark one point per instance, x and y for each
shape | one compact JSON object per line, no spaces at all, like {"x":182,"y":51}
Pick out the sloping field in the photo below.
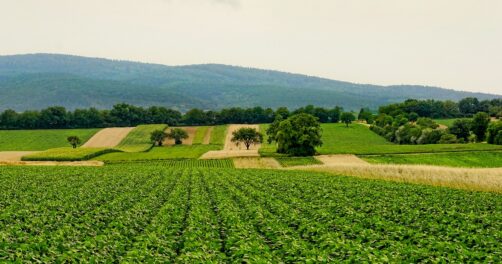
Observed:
{"x":145,"y":213}
{"x":160,"y":153}
{"x":189,"y":141}
{"x":108,"y":137}
{"x":33,"y":140}
{"x":358,"y":139}
{"x":334,"y":160}
{"x":479,"y":159}
{"x":67,"y":154}
{"x":138,"y":139}
{"x":230,"y":149}
{"x":207,"y":136}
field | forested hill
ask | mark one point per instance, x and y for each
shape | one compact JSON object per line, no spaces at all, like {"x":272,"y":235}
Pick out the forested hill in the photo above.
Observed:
{"x":39,"y":80}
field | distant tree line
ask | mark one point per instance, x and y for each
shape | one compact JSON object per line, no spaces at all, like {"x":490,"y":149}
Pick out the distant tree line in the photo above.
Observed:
{"x":466,"y":107}
{"x":122,"y":115}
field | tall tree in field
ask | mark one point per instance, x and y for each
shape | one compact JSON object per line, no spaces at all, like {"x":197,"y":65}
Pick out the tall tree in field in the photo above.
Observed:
{"x":74,"y":141}
{"x":461,"y":128}
{"x":158,"y":136}
{"x":298,"y":135}
{"x":248,"y":136}
{"x":178,"y":135}
{"x":479,"y":125}
{"x":347,"y":118}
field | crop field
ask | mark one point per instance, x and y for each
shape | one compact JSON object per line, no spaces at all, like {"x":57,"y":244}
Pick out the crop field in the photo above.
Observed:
{"x":27,"y":140}
{"x":482,"y":159}
{"x":67,"y":154}
{"x":161,"y":153}
{"x":145,"y":213}
{"x":358,"y":139}
{"x":181,"y":163}
{"x":297,"y":161}
{"x":138,"y":139}
{"x":218,"y":135}
{"x":200,"y":133}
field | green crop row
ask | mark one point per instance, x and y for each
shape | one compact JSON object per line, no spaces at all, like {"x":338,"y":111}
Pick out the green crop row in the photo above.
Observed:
{"x":181,"y":163}
{"x":297,"y":161}
{"x":151,"y":213}
{"x":68,"y":154}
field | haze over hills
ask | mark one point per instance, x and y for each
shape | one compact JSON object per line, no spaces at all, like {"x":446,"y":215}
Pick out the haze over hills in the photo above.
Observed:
{"x":36,"y":81}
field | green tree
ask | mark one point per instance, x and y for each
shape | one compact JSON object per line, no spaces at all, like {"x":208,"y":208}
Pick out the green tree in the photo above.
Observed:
{"x":178,"y":135}
{"x":247,"y":135}
{"x":494,"y":129}
{"x":74,"y":141}
{"x":347,"y":118}
{"x":298,"y":135}
{"x":461,"y":129}
{"x":479,"y":125}
{"x":366,"y":115}
{"x":158,"y":137}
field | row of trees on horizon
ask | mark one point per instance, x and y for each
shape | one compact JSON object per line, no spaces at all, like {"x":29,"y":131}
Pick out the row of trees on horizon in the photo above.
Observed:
{"x":57,"y":117}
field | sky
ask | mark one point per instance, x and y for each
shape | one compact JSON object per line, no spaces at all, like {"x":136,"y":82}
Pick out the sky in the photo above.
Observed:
{"x":454,"y":44}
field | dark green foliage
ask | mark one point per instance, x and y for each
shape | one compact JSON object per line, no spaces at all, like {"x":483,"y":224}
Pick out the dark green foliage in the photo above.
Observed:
{"x":158,"y":136}
{"x":425,"y":122}
{"x":78,"y":82}
{"x":495,"y":133}
{"x":448,"y":139}
{"x":178,"y":135}
{"x":74,"y":141}
{"x":479,"y":125}
{"x":461,"y":129}
{"x":248,"y":136}
{"x":298,"y":135}
{"x":347,"y":118}
{"x":366,"y":115}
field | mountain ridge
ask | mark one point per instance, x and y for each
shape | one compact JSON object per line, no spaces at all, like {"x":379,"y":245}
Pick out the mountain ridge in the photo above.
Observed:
{"x":206,"y":86}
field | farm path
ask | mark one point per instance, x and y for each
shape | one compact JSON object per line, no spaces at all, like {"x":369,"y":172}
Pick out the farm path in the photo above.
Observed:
{"x":207,"y":136}
{"x":87,"y":163}
{"x":230,"y":150}
{"x":10,"y":156}
{"x":108,"y":137}
{"x":189,"y":141}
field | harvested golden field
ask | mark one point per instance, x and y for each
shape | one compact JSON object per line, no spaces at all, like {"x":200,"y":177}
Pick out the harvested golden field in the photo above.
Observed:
{"x":108,"y":137}
{"x":256,"y":163}
{"x":14,"y":155}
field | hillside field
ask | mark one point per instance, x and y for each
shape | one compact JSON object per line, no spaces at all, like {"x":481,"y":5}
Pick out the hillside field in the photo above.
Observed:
{"x":149,"y":213}
{"x":160,"y":153}
{"x":358,"y":139}
{"x":483,"y":159}
{"x":27,"y":140}
{"x":138,"y":140}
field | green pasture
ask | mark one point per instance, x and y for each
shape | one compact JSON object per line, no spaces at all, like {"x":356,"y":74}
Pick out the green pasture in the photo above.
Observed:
{"x":160,"y":153}
{"x":138,"y":140}
{"x":26,"y":140}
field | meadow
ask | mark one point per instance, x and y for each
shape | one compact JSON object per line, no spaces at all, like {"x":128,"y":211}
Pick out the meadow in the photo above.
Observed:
{"x":358,"y":139}
{"x":67,"y":154}
{"x":152,"y":213}
{"x":138,"y":140}
{"x":484,"y":159}
{"x":26,"y":140}
{"x":160,"y":153}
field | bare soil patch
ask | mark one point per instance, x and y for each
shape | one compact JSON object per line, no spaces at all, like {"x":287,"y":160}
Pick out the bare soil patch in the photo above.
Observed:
{"x":108,"y":137}
{"x":14,"y":155}
{"x":334,"y":160}
{"x":189,"y":141}
{"x":231,"y":150}
{"x":88,"y":163}
{"x":256,"y":163}
{"x":207,"y":136}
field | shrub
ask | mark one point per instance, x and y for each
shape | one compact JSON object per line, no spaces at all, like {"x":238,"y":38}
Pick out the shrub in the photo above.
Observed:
{"x":479,"y":125}
{"x":494,"y":130}
{"x":448,"y":139}
{"x":461,"y":129}
{"x":426,"y":122}
{"x":430,"y":136}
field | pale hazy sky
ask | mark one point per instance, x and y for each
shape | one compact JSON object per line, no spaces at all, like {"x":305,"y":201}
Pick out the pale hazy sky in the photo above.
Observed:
{"x":449,"y":43}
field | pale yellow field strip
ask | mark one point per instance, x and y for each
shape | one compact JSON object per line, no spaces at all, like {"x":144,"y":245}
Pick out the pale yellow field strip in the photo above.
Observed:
{"x":189,"y":141}
{"x":231,"y":150}
{"x":256,"y":163}
{"x":333,"y":160}
{"x":207,"y":136}
{"x":88,"y":163}
{"x":459,"y":178}
{"x":108,"y":137}
{"x":8,"y":156}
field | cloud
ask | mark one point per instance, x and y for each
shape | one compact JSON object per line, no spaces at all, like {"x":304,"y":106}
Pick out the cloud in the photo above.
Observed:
{"x":232,"y":3}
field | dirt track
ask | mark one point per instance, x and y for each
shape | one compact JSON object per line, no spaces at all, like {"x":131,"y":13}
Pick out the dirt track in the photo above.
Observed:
{"x":230,"y":150}
{"x":207,"y":136}
{"x":10,"y":156}
{"x":108,"y":137}
{"x":189,"y":141}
